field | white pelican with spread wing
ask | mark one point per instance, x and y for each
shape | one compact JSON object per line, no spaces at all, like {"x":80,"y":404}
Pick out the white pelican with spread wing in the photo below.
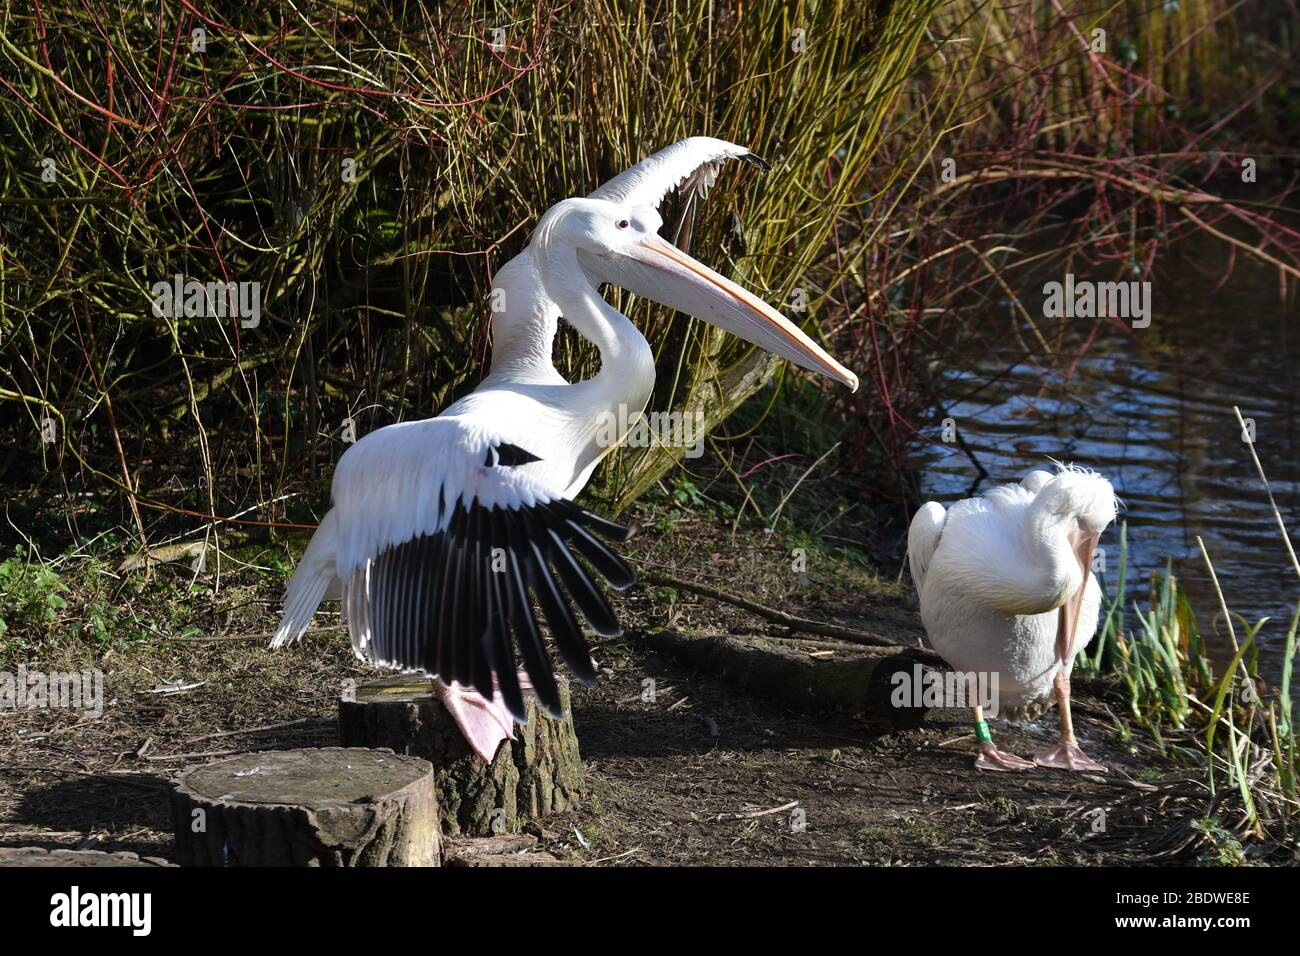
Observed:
{"x":443,"y":532}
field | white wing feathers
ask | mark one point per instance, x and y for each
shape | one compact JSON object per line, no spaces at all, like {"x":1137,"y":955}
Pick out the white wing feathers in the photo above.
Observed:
{"x":395,"y":484}
{"x":312,"y":580}
{"x":1035,"y":480}
{"x":923,"y":539}
{"x":404,"y":480}
{"x":442,"y":541}
{"x":691,"y":165}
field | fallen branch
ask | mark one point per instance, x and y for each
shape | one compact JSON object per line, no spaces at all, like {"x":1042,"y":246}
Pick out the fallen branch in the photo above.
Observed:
{"x":755,"y":814}
{"x":796,"y":624}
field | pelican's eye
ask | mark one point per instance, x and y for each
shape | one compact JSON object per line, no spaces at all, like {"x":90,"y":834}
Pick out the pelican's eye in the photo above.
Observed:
{"x":623,"y":224}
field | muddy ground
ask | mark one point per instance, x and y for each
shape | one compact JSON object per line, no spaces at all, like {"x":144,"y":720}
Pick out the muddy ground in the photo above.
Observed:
{"x":705,"y":774}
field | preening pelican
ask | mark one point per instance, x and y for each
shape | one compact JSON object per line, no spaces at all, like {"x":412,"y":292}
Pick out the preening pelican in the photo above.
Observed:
{"x":442,"y":532}
{"x":1006,"y":587}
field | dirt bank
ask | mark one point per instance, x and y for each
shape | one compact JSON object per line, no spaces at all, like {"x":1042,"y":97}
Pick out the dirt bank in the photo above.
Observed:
{"x":704,"y":774}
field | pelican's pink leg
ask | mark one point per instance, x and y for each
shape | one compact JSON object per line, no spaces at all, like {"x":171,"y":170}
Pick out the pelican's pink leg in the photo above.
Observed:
{"x":484,"y":723}
{"x":989,"y":757}
{"x":1067,"y":755}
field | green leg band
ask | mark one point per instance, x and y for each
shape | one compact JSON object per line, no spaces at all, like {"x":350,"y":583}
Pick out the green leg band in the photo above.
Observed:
{"x":982,"y":732}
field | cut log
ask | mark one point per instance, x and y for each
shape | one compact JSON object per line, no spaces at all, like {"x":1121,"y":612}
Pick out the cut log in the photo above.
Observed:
{"x":506,"y":859}
{"x":538,"y":773}
{"x":512,"y":849}
{"x":335,"y":807}
{"x":811,"y":676}
{"x":40,"y":856}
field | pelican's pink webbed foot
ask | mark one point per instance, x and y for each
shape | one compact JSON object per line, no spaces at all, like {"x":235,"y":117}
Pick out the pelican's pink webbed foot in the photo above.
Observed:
{"x":990,"y":758}
{"x":484,"y":723}
{"x":1067,"y":755}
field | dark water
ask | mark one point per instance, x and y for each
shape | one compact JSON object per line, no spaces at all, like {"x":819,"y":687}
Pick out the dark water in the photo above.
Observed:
{"x":1152,"y":409}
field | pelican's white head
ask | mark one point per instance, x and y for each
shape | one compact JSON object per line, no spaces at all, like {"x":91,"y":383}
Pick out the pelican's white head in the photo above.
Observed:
{"x":1078,"y":504}
{"x":621,"y":246}
{"x":596,"y":227}
{"x":1077,"y":495}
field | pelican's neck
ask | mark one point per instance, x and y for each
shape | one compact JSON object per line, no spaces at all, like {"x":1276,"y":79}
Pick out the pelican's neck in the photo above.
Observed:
{"x":627,"y":370}
{"x":523,"y":322}
{"x":1012,"y":552}
{"x":1047,"y":543}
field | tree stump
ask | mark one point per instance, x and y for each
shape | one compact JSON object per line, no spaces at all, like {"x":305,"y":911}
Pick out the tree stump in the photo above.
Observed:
{"x":537,"y":773}
{"x":337,"y":807}
{"x":811,"y":676}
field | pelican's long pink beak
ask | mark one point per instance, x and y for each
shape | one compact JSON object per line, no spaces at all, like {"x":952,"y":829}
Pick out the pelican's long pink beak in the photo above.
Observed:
{"x":692,"y":287}
{"x":1084,"y":546}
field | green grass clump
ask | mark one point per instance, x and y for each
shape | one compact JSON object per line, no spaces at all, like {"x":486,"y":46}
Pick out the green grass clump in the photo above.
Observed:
{"x":1242,"y":730}
{"x":31,"y":596}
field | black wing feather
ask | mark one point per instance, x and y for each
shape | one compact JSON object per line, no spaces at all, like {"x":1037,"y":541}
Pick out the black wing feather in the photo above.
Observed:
{"x":480,"y":656}
{"x":536,"y":660}
{"x":585,"y":594}
{"x":503,"y":660}
{"x":602,"y":526}
{"x":420,"y":619}
{"x":378,"y":577}
{"x":559,"y":616}
{"x":435,"y":651}
{"x":439,"y":606}
{"x":446,"y":598}
{"x":609,"y":564}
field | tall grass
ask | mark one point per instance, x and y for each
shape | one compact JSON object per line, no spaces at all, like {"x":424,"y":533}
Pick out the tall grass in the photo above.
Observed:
{"x":229,"y":165}
{"x":371,"y":165}
{"x":1240,"y":731}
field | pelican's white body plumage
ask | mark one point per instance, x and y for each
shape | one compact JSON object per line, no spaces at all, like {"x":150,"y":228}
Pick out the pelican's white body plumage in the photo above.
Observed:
{"x":996,"y":576}
{"x":991,"y":580}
